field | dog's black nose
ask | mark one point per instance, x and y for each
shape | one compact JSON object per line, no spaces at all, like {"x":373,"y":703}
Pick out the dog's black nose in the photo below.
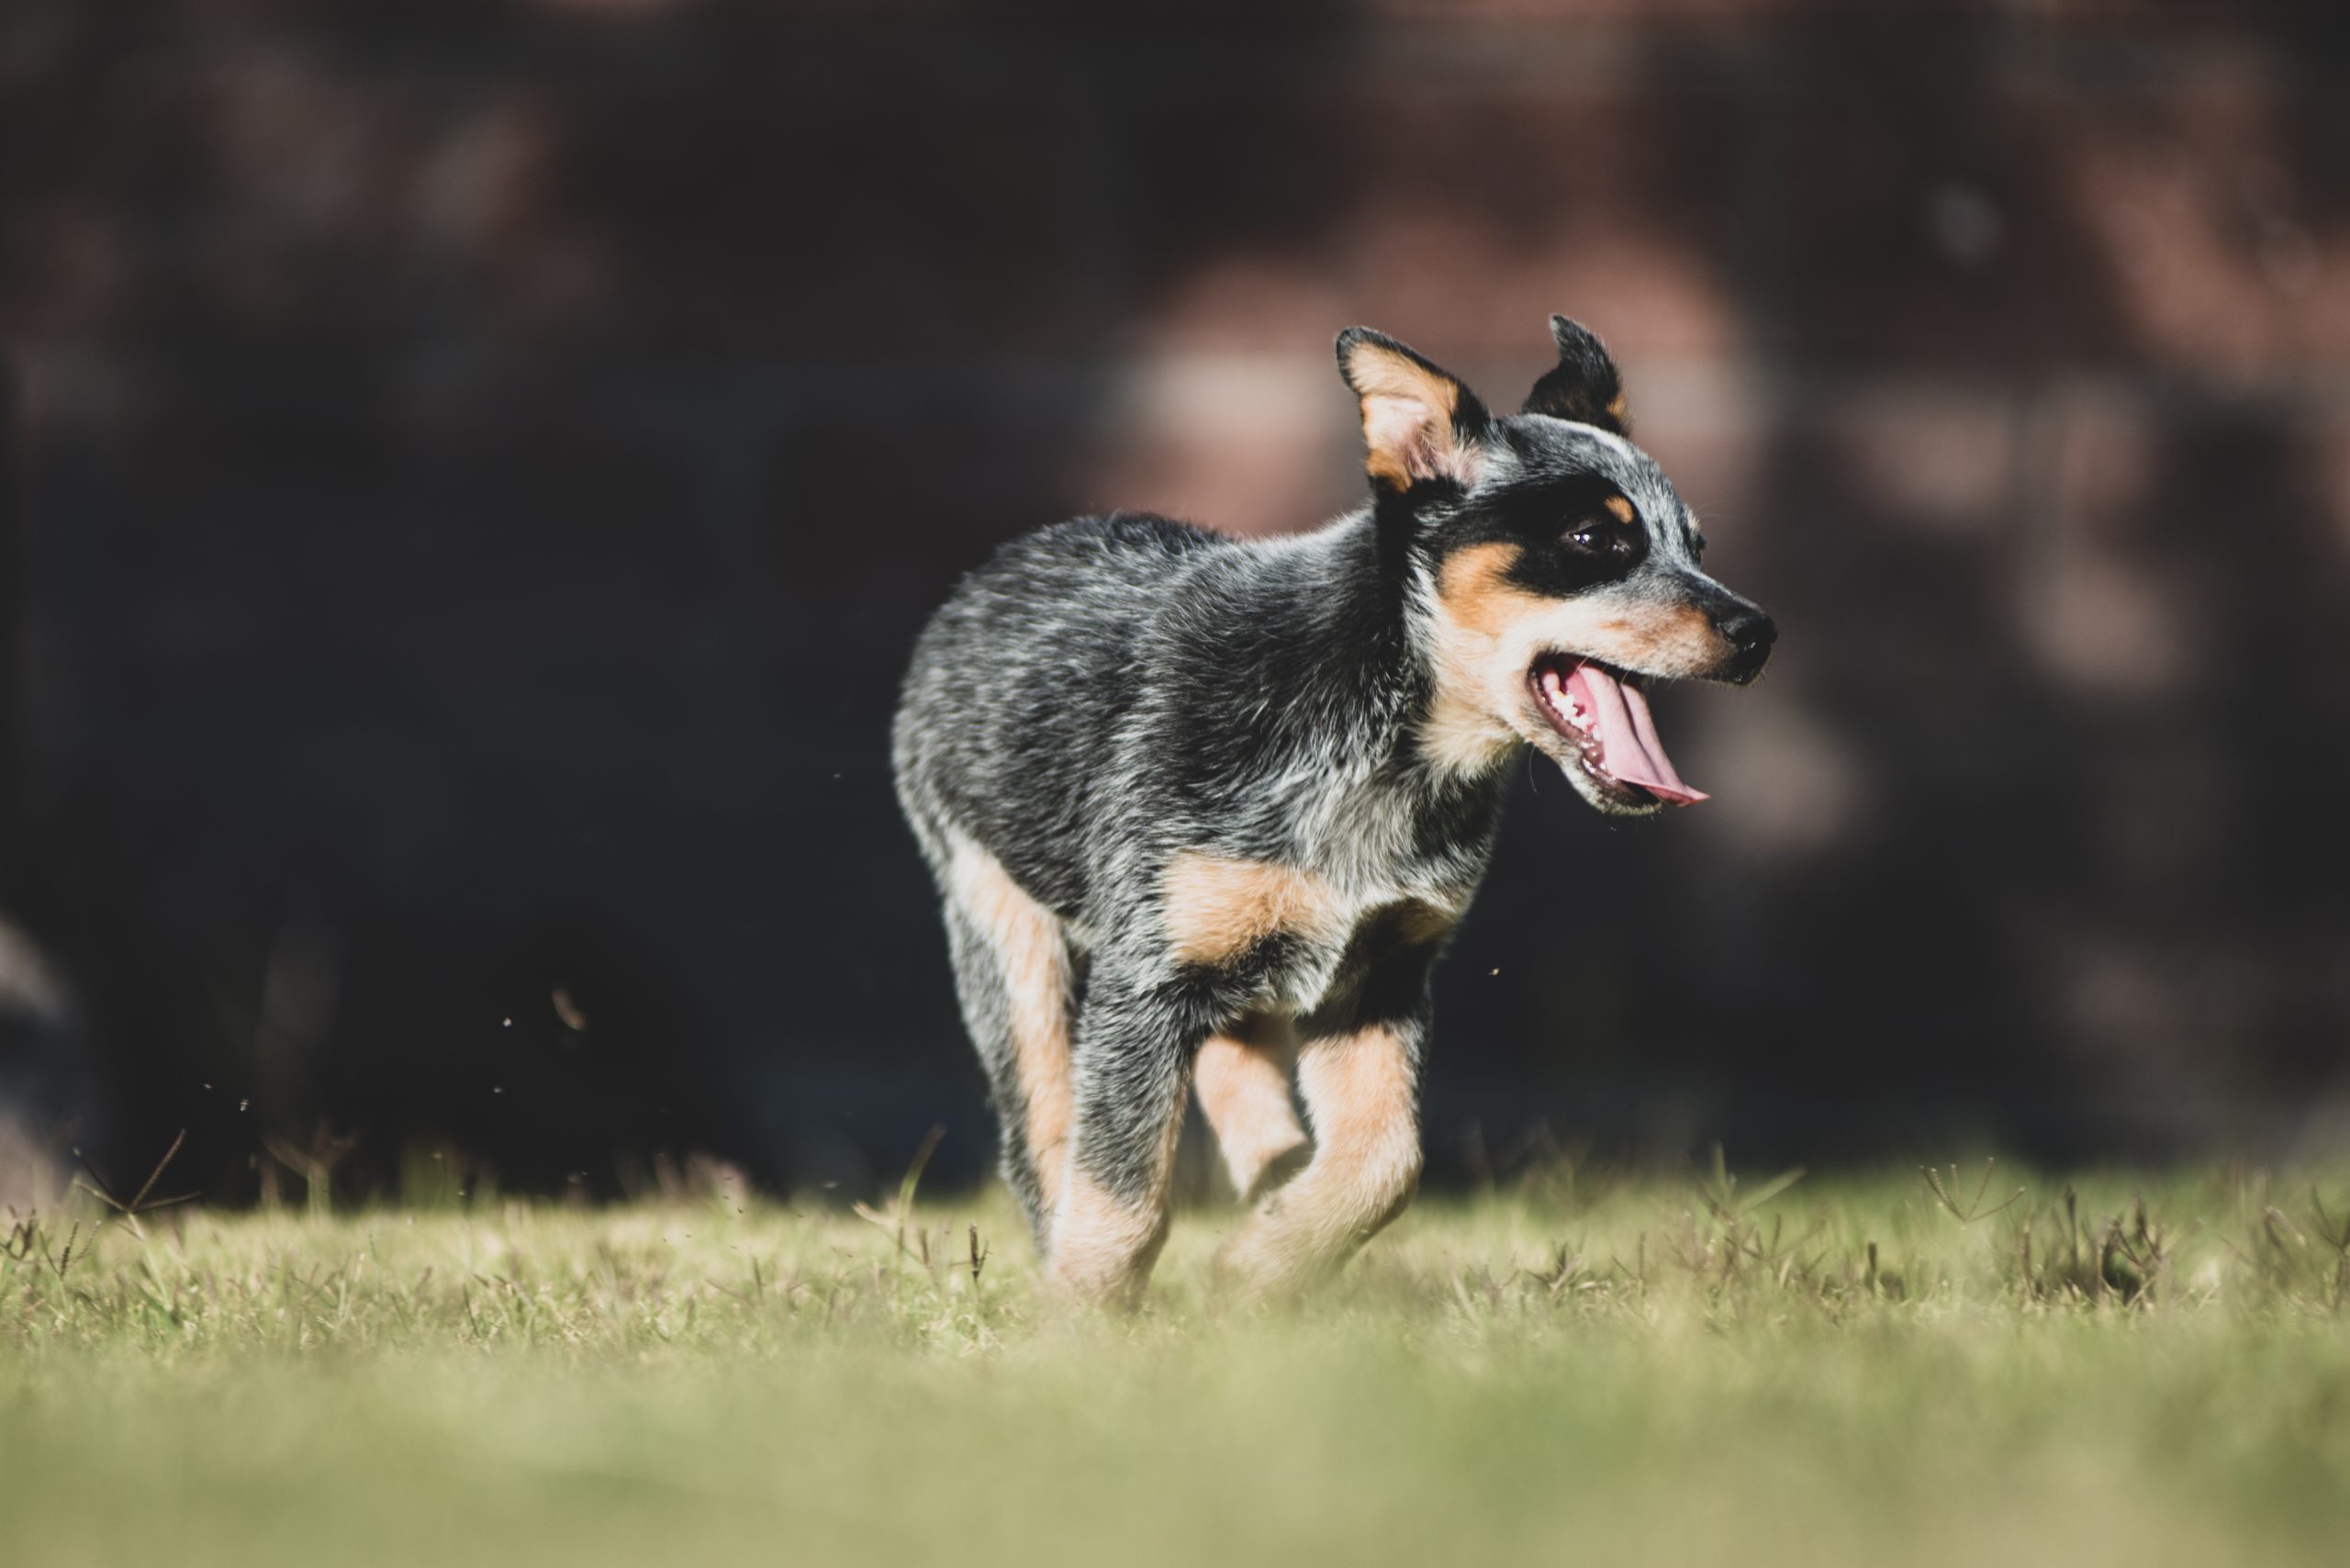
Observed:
{"x":1750,"y":634}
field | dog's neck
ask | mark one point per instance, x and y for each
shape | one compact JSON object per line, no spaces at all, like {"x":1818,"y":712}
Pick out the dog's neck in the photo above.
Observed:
{"x":1350,"y":683}
{"x":1390,"y":802}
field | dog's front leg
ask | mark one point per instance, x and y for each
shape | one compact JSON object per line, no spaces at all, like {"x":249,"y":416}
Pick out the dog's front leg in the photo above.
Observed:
{"x":1361,"y":1081}
{"x":1132,"y":1066}
{"x":1242,"y":1076}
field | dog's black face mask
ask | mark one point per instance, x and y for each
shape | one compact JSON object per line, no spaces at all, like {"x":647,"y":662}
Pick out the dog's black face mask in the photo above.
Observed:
{"x":1561,"y":571}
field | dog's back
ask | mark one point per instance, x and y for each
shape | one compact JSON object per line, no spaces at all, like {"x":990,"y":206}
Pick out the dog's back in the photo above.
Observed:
{"x":1018,"y":683}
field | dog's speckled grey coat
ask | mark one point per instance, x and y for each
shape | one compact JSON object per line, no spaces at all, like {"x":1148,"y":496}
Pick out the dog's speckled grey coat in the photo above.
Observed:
{"x":1104,"y":695}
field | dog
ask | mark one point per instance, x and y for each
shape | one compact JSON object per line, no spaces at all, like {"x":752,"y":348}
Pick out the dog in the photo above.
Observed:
{"x":1203,"y":810}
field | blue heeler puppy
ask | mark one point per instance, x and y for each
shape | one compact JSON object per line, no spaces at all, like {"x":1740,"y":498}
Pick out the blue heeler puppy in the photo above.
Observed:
{"x":1203,"y":810}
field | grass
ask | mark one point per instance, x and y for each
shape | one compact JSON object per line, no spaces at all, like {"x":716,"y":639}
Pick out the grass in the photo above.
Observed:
{"x":2143,"y":1369}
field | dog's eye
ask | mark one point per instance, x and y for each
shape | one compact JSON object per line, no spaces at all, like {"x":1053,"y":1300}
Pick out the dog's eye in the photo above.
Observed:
{"x":1601,"y":538}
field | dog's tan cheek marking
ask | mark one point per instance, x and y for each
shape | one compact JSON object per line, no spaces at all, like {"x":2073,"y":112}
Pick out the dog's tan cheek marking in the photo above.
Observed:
{"x":1243,"y":1085}
{"x":1035,"y":973}
{"x":1474,"y":590}
{"x":1476,"y":605}
{"x":1216,"y":908}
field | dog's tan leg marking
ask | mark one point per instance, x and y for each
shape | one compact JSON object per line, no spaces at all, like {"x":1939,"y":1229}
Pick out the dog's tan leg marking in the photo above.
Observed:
{"x":1242,"y":1080}
{"x":1216,"y":908}
{"x":1035,"y":957}
{"x":1362,"y":1093}
{"x":1103,"y":1244}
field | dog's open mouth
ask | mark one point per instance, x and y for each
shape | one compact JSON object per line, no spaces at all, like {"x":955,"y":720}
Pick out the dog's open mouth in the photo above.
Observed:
{"x":1605,"y":716}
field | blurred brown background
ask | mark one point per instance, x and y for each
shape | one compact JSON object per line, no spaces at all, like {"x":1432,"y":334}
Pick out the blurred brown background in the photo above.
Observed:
{"x":476,"y":469}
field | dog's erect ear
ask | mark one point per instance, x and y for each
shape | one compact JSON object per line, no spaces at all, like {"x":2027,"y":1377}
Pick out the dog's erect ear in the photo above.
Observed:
{"x":1418,"y":422}
{"x":1585,"y":387}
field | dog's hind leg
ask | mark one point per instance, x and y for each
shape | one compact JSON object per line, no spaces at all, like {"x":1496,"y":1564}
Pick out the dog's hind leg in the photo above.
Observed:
{"x":1012,"y":973}
{"x":1242,"y":1078}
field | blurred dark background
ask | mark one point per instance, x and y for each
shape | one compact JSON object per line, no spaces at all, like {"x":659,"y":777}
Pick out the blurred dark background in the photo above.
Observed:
{"x":475,"y":469}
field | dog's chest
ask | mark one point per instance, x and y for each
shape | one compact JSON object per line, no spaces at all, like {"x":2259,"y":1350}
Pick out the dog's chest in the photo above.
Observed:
{"x":1297,"y":937}
{"x":1371,"y":869}
{"x":1324,"y":969}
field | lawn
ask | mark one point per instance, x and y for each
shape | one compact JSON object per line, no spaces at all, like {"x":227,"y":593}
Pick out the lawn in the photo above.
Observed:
{"x":1673,"y":1370}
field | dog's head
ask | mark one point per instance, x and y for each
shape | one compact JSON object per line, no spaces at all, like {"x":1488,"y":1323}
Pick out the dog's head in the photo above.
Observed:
{"x":1555,"y":572}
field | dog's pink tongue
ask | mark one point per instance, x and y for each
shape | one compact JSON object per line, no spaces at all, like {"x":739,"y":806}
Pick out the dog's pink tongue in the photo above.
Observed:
{"x":1629,"y":750}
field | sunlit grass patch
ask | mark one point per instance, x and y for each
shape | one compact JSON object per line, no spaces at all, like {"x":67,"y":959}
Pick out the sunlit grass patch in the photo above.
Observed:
{"x":2111,"y":1368}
